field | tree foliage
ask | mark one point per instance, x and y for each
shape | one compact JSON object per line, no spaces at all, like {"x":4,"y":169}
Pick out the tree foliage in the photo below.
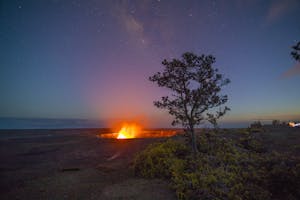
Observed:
{"x":195,"y":87}
{"x":296,"y":51}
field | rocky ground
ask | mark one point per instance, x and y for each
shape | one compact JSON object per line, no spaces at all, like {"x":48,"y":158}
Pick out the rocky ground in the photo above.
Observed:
{"x":73,"y":164}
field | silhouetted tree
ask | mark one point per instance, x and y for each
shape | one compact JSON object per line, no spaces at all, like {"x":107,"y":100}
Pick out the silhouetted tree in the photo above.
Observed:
{"x":256,"y":124}
{"x":195,"y":87}
{"x":296,"y":51}
{"x":275,"y":122}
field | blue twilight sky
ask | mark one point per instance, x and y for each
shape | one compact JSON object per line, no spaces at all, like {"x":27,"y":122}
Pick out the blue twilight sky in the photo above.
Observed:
{"x":91,"y":59}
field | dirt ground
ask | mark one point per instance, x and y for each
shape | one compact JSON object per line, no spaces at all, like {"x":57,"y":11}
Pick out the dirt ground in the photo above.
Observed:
{"x":73,"y":164}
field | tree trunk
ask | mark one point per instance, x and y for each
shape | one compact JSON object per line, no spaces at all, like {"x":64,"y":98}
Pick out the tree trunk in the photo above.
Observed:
{"x":193,"y":140}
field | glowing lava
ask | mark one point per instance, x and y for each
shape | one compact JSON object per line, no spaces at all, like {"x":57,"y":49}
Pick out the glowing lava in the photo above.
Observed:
{"x":134,"y":130}
{"x":292,"y":124}
{"x":129,"y":131}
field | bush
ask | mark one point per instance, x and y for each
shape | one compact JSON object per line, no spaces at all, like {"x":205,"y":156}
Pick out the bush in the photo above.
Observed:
{"x":257,"y":127}
{"x":223,"y":169}
{"x":252,"y":142}
{"x":283,"y":177}
{"x":160,"y":159}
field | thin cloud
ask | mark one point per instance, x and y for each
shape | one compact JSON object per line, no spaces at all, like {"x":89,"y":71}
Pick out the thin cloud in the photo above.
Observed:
{"x":294,"y":71}
{"x":280,"y":8}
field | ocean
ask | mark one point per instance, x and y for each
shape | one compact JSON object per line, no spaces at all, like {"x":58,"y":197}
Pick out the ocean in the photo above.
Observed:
{"x":35,"y":123}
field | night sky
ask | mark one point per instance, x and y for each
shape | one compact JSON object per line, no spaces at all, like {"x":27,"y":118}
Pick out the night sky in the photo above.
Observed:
{"x":91,"y":59}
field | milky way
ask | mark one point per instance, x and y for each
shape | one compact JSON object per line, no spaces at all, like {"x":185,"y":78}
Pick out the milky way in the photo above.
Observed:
{"x":92,"y":59}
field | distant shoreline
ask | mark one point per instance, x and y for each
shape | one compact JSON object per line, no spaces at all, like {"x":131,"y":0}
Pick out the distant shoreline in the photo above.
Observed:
{"x":12,"y":123}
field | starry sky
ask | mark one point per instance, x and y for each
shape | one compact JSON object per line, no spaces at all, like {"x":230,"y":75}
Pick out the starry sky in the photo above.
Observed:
{"x":91,"y":59}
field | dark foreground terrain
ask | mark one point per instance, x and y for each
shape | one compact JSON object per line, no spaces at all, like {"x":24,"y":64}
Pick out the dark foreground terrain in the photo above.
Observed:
{"x":77,"y":164}
{"x":72,"y":164}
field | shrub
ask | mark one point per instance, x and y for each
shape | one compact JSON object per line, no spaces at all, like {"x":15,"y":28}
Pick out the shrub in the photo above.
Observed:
{"x":283,"y":177}
{"x":160,"y":159}
{"x":252,"y":142}
{"x":257,"y":127}
{"x":223,"y":169}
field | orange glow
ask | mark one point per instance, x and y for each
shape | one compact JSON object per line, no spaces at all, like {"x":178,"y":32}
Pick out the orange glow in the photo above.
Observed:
{"x":132,"y":130}
{"x":129,"y":131}
{"x":121,"y":136}
{"x":292,"y":124}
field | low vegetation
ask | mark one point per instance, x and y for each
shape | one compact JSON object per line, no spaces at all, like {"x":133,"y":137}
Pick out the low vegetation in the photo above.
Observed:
{"x":224,"y":168}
